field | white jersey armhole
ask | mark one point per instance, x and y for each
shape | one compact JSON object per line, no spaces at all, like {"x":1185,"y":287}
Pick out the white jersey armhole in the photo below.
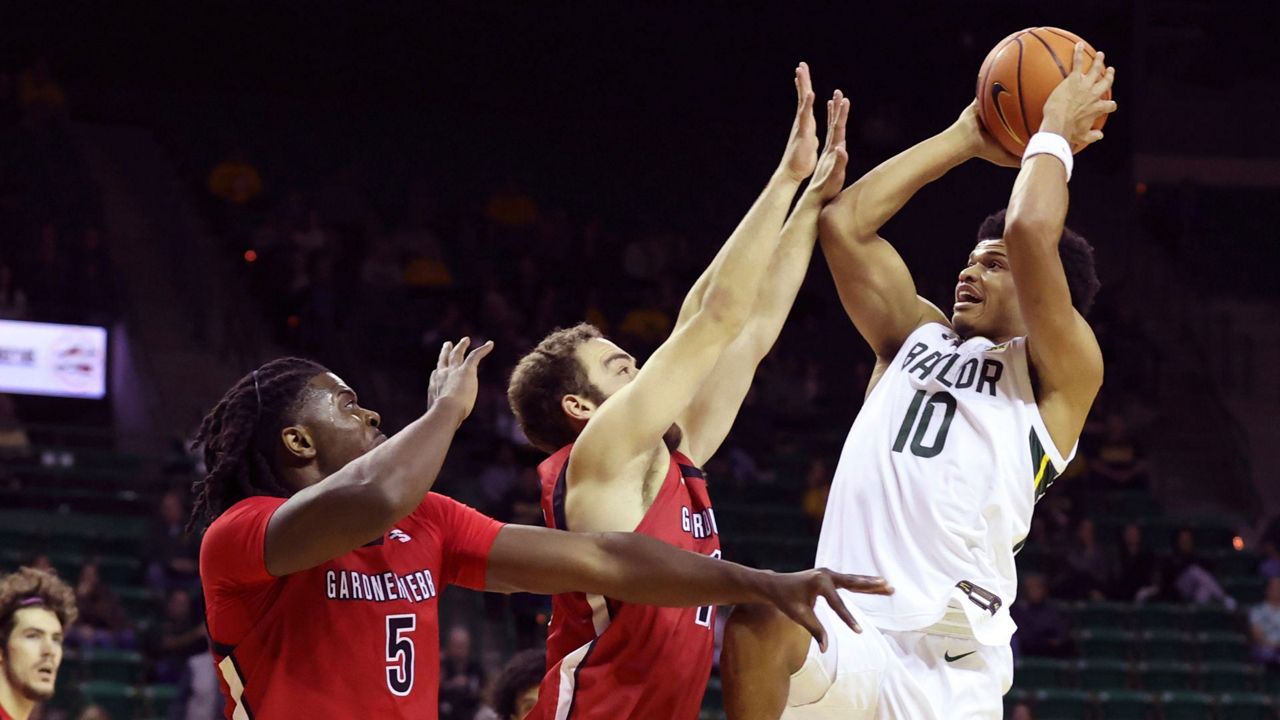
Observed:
{"x":1050,"y":448}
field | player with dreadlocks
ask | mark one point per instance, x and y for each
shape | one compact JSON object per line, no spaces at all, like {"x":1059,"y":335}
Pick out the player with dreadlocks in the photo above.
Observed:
{"x":325,"y":551}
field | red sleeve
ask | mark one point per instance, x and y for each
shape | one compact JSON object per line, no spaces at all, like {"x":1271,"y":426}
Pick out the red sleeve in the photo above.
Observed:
{"x":466,"y":535}
{"x":233,"y":552}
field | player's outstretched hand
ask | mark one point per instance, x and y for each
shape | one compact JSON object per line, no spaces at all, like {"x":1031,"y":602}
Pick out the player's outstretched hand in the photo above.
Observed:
{"x":801,"y":155}
{"x":828,"y":179}
{"x":795,"y":594}
{"x":980,"y":142}
{"x":455,"y":374}
{"x":1078,"y":101}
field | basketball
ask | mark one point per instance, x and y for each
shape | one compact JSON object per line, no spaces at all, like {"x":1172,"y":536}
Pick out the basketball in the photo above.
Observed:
{"x":1016,"y":79}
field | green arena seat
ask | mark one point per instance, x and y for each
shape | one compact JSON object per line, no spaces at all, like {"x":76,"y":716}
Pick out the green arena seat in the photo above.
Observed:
{"x":714,"y":698}
{"x":1246,"y":589}
{"x":1212,"y":618}
{"x":120,"y":666}
{"x":1167,"y":645}
{"x":1160,"y":616}
{"x":1223,"y":647}
{"x":1186,"y":705}
{"x":1124,"y":704}
{"x":1113,"y":644}
{"x":1103,"y":615}
{"x":118,"y":699}
{"x":1035,"y":673}
{"x":1098,"y":674}
{"x":1230,"y":562}
{"x":1245,"y":706}
{"x":1230,"y":677}
{"x":1059,"y":704}
{"x":1157,"y":676}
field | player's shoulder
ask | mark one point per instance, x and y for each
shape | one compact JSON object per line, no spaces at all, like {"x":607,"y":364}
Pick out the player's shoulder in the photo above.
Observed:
{"x":250,"y":510}
{"x":440,"y":512}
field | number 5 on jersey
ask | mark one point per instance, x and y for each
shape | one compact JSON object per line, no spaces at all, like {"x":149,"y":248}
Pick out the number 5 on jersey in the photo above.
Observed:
{"x":919,"y":447}
{"x":400,"y":653}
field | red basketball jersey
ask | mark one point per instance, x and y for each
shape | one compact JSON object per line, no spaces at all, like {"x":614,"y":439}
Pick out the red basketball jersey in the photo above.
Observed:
{"x":355,"y":637}
{"x":610,"y":660}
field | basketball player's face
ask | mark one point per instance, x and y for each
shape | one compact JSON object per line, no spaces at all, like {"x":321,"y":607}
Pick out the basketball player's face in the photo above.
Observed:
{"x":340,"y":429}
{"x":609,"y":367}
{"x":986,"y":303}
{"x":525,"y":702}
{"x":32,"y":653}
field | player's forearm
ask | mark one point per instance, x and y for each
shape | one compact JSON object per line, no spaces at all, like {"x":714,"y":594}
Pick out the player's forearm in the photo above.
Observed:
{"x":1037,"y":206}
{"x":864,"y":207}
{"x":404,"y":468}
{"x":734,"y":283}
{"x":639,"y":569}
{"x":786,"y":274}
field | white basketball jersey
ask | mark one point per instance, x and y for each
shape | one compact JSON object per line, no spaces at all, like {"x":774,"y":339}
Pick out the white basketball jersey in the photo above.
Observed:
{"x":936,"y":485}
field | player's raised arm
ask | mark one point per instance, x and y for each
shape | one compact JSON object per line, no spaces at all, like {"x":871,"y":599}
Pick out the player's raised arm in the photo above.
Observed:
{"x":874,"y":284}
{"x":1063,"y":348}
{"x":635,"y":568}
{"x":712,"y":411}
{"x":634,"y":420}
{"x":363,"y":499}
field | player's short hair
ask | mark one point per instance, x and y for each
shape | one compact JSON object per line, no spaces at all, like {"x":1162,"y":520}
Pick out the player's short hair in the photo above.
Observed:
{"x":523,"y":671}
{"x":542,"y":378}
{"x":29,"y":587}
{"x":1077,"y":260}
{"x":237,"y":437}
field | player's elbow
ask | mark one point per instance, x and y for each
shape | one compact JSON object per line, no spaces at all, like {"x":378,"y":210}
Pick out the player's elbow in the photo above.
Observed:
{"x":726,"y":310}
{"x":1024,"y":224}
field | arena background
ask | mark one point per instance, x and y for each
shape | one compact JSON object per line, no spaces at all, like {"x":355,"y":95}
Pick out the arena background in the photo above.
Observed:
{"x":220,"y":185}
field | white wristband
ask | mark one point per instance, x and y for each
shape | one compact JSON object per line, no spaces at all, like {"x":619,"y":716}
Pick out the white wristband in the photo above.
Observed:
{"x":1046,"y":143}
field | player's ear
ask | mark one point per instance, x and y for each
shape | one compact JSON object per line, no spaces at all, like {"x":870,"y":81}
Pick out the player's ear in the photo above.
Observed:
{"x":577,"y":407}
{"x":298,"y":442}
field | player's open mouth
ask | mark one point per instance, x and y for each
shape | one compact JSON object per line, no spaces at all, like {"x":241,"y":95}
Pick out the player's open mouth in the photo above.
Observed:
{"x":966,"y":296}
{"x":45,"y":673}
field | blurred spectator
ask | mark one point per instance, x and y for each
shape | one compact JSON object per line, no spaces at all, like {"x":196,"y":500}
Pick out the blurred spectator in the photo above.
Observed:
{"x":41,"y":562}
{"x":460,"y":677}
{"x":13,"y":299}
{"x":515,"y":691}
{"x":93,"y":711}
{"x":91,"y":278}
{"x":47,"y":281}
{"x":40,"y":96}
{"x":1087,"y":567}
{"x":1264,"y":625}
{"x":103,"y":622}
{"x":14,"y":442}
{"x":817,"y":487}
{"x":522,"y":505}
{"x":1191,"y":576}
{"x":235,"y":179}
{"x":1133,"y":567}
{"x":511,"y":208}
{"x":1042,"y":630}
{"x":1270,"y":545}
{"x":198,"y":695}
{"x":176,"y":638}
{"x":499,"y":476}
{"x":1021,"y":711}
{"x":1118,"y":462}
{"x":175,"y":562}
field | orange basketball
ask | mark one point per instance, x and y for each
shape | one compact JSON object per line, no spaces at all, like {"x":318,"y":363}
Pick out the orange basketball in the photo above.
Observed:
{"x":1016,"y":79}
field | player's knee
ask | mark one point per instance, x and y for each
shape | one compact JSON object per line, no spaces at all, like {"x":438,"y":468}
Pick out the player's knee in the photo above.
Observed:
{"x":766,"y":627}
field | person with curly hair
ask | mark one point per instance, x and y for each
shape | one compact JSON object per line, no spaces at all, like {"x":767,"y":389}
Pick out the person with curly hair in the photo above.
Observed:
{"x":35,"y":610}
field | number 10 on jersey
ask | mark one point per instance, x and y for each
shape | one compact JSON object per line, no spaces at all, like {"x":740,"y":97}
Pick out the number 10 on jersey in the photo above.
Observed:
{"x":929,"y":403}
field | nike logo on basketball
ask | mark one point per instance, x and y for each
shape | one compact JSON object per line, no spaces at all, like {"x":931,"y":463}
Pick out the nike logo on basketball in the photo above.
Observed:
{"x":998,"y":89}
{"x":948,"y":657}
